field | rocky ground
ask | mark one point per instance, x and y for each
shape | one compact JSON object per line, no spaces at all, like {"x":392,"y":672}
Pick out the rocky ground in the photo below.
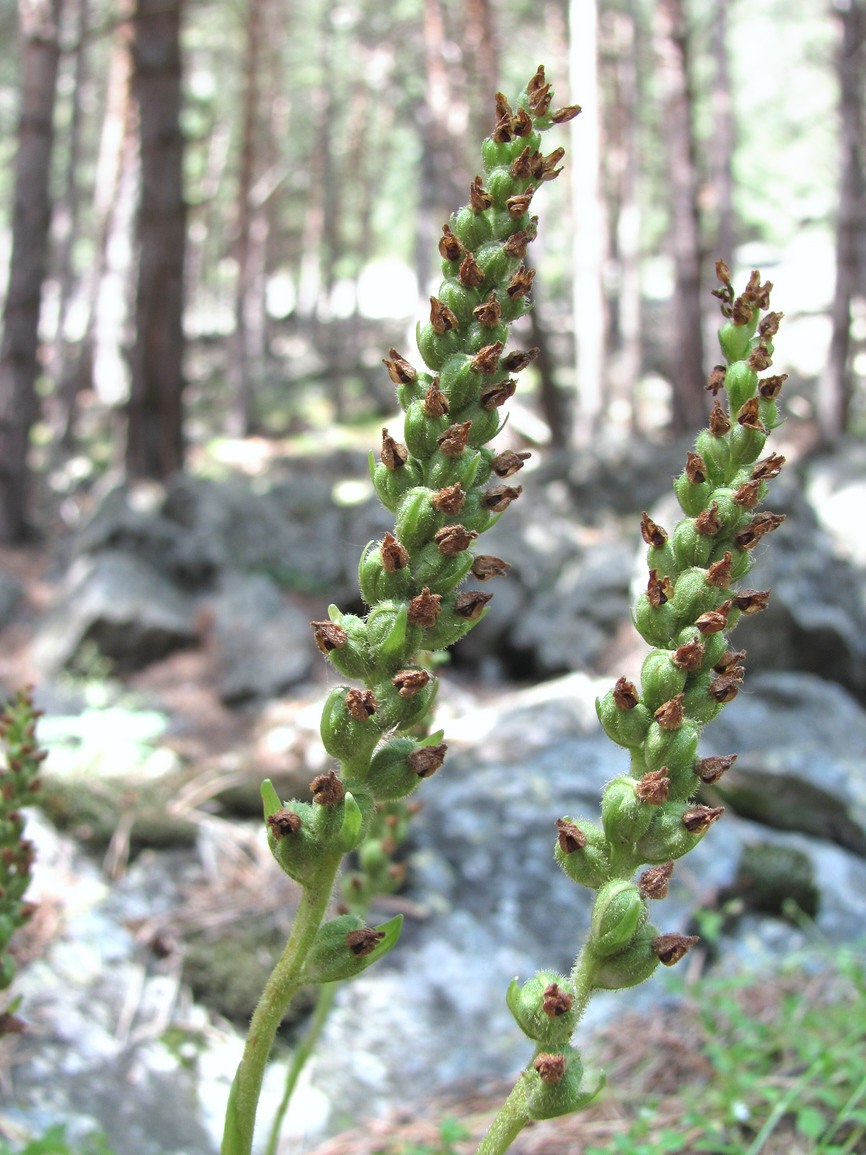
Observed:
{"x":199,"y":598}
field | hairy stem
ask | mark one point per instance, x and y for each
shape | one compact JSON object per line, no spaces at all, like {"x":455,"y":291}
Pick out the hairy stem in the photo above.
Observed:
{"x":510,"y":1120}
{"x":283,"y":984}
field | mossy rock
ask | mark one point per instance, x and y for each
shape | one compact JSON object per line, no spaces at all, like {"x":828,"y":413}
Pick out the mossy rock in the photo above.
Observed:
{"x":228,"y":974}
{"x":769,"y":878}
{"x":91,"y":808}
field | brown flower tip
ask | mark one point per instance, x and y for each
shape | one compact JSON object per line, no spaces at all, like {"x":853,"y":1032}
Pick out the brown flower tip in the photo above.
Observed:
{"x":670,"y":714}
{"x":450,"y":249}
{"x":768,"y":468}
{"x":394,"y":455}
{"x":538,"y":91}
{"x":728,"y":660}
{"x":361,"y":704}
{"x":710,"y":770}
{"x":654,"y":787}
{"x":655,"y":882}
{"x":471,"y":274}
{"x":435,"y":402}
{"x":551,"y":1068}
{"x":519,"y":242}
{"x":408,"y":683}
{"x":424,"y":609}
{"x":749,"y":416}
{"x":470,"y":605}
{"x":670,"y":948}
{"x":479,"y":198}
{"x":571,"y":838}
{"x":10,"y":1024}
{"x":486,"y":360}
{"x":449,"y":500}
{"x":696,"y":470}
{"x":719,"y":573}
{"x":748,"y":495}
{"x":327,"y":789}
{"x":625,"y":695}
{"x":760,"y":358}
{"x":716,"y":379}
{"x":487,"y":566}
{"x":519,"y":205}
{"x":769,"y":325}
{"x":751,"y":601}
{"x":563,"y":115}
{"x":507,"y":463}
{"x":399,"y":369}
{"x":495,"y":394}
{"x":713,"y":620}
{"x":394,"y":556}
{"x":519,"y":359}
{"x":708,"y":523}
{"x":454,"y":439}
{"x":329,"y":636}
{"x":555,"y":1001}
{"x":760,"y":525}
{"x":426,"y":760}
{"x":488,"y":313}
{"x":770,"y":387}
{"x":442,"y":318}
{"x":521,"y":283}
{"x":719,"y":421}
{"x":659,"y":589}
{"x":726,"y":687}
{"x":652,"y":534}
{"x":364,"y":940}
{"x":698,"y":819}
{"x":498,"y":497}
{"x":284,"y":823}
{"x":453,"y":539}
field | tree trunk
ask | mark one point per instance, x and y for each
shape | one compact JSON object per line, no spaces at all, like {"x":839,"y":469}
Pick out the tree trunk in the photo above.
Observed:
{"x":836,"y":386}
{"x":589,"y":230}
{"x":154,"y":446}
{"x":686,"y":343}
{"x":722,"y":156}
{"x":19,"y":362}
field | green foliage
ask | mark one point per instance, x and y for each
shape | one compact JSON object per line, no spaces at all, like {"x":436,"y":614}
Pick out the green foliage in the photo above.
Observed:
{"x":450,"y":1132}
{"x":54,"y":1142}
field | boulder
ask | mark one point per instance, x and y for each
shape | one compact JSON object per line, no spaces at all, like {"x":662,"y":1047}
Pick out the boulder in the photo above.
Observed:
{"x":122,"y":606}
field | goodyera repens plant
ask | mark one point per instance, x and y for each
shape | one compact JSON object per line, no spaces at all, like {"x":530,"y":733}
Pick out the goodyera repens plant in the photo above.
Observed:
{"x":445,"y":486}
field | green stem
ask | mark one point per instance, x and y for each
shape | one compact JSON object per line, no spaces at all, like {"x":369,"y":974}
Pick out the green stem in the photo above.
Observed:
{"x":324,"y":1002}
{"x":510,"y":1120}
{"x":285,"y":980}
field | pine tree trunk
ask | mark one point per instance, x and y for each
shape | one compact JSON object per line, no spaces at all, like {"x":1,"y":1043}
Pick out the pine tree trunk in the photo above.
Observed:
{"x":19,"y":352}
{"x":836,"y":386}
{"x":687,"y":370}
{"x":154,"y":447}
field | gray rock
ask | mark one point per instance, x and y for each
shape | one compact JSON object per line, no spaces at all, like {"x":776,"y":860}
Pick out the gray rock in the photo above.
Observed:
{"x":120,"y":604}
{"x":263,"y":642}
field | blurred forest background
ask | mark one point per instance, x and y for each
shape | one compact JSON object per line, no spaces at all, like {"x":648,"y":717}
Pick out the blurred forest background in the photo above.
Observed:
{"x":217,"y":215}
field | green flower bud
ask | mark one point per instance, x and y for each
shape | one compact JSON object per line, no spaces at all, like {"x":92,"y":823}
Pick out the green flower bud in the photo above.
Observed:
{"x":417,"y":518}
{"x":736,"y":340}
{"x":400,"y":765}
{"x":553,"y":1084}
{"x":618,"y":914}
{"x":747,"y":444}
{"x":344,"y":947}
{"x":486,"y":423}
{"x":460,"y":300}
{"x":716,"y":454}
{"x":501,"y":185}
{"x":671,"y":748}
{"x":440,"y":572}
{"x":391,"y":484}
{"x":693,"y":595}
{"x":448,"y":469}
{"x":495,"y":263}
{"x":471,"y":229}
{"x":741,"y":383}
{"x":435,"y":348}
{"x":478,"y":336}
{"x":624,"y":816}
{"x":349,"y":727}
{"x":690,"y":548}
{"x":390,"y":636}
{"x":544,"y":1008}
{"x":450,"y":626}
{"x":660,"y":679}
{"x":699,"y":702}
{"x":384,"y":572}
{"x":495,"y":153}
{"x":625,"y":726}
{"x":400,"y":710}
{"x":655,"y":624}
{"x":343,"y":640}
{"x":668,"y":837}
{"x":632,"y":966}
{"x":294,"y":840}
{"x":420,"y":430}
{"x":692,"y":496}
{"x":459,"y":381}
{"x":582,"y":852}
{"x":663,"y":559}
